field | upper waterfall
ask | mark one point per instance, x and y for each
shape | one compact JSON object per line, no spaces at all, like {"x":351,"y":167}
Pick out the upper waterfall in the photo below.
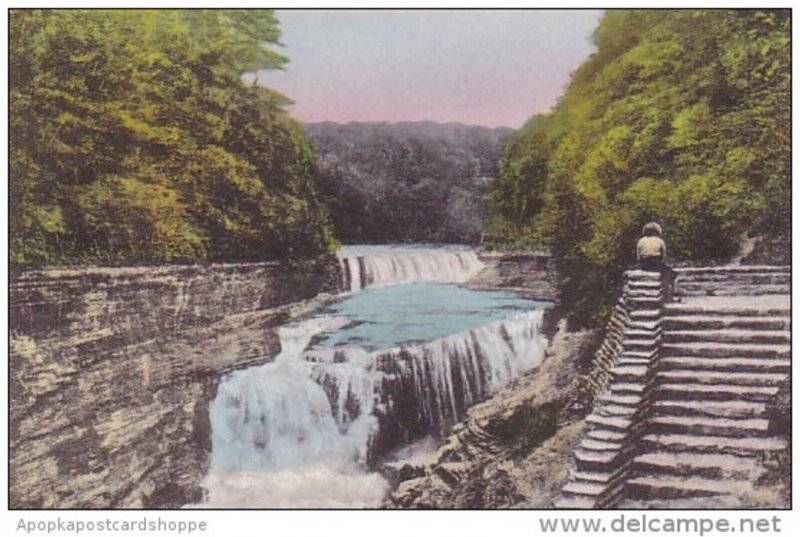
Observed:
{"x":363,"y":266}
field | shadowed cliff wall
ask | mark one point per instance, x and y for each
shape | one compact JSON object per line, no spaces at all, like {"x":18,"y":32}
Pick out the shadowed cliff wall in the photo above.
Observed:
{"x":112,"y":369}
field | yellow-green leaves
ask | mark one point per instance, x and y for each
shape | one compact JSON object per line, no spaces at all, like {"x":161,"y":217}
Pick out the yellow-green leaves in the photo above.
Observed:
{"x":135,"y":140}
{"x":681,"y":116}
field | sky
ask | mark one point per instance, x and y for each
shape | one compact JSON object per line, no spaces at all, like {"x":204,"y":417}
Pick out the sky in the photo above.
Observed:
{"x":493,"y":68}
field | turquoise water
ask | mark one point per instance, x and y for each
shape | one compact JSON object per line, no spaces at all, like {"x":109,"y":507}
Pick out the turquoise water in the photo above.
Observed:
{"x":391,"y":316}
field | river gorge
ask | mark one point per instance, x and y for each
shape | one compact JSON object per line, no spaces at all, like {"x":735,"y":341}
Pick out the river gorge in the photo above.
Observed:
{"x":224,"y":387}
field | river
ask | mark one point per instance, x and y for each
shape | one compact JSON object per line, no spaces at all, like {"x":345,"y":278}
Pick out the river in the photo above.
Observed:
{"x":400,"y":357}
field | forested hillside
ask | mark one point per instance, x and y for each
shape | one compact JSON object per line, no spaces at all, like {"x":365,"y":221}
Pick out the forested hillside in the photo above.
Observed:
{"x":134,"y":139}
{"x":398,"y":182}
{"x":681,"y":117}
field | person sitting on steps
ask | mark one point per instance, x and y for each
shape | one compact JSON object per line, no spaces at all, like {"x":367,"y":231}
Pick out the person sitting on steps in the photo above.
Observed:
{"x":651,"y":250}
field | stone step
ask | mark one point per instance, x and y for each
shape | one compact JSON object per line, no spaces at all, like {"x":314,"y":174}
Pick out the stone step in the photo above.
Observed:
{"x":653,"y":326}
{"x":648,"y":354}
{"x":594,"y":477}
{"x":692,"y":391}
{"x":710,"y":444}
{"x":612,"y":422}
{"x":640,"y":344}
{"x":720,"y":378}
{"x":754,"y":278}
{"x":584,"y":488}
{"x":606,"y":435}
{"x":723,"y":409}
{"x":719,"y":289}
{"x":592,"y":444}
{"x":680,"y":487}
{"x":717,"y":501}
{"x":711,"y":322}
{"x":731,"y":335}
{"x":629,"y":372}
{"x":643,"y":290}
{"x":644,"y":301}
{"x":574,"y":502}
{"x":731,"y":306}
{"x":592,"y":460}
{"x":734,"y":269}
{"x":645,"y":284}
{"x":623,"y":411}
{"x":628,"y":360}
{"x":708,"y":349}
{"x":763,"y":365}
{"x":641,"y":275}
{"x":644,"y":315}
{"x":639,"y":334}
{"x":710,"y":426}
{"x":627,"y":388}
{"x":615,"y":399}
{"x":707,"y":465}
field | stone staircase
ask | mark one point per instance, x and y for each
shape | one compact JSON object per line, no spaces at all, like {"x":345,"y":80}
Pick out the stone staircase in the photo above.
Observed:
{"x":604,"y":457}
{"x":685,"y":411}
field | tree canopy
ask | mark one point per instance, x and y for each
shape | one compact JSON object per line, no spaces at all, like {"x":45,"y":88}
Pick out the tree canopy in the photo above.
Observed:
{"x":135,"y":139}
{"x":681,"y":116}
{"x":407,"y":181}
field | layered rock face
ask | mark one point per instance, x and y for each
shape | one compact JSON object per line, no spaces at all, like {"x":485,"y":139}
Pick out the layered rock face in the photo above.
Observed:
{"x":529,"y":274}
{"x":112,"y":370}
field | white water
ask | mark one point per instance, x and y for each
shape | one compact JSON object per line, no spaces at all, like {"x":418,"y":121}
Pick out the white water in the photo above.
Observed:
{"x":363,"y":266}
{"x":301,"y":431}
{"x":277,"y":443}
{"x":449,"y":374}
{"x":280,"y":441}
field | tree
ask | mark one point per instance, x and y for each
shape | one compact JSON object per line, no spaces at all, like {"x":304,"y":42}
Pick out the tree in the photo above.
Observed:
{"x":680,"y":116}
{"x":135,"y":139}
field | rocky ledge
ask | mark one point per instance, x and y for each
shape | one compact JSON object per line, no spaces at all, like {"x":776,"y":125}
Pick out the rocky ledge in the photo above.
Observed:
{"x":513,"y":450}
{"x":529,"y":274}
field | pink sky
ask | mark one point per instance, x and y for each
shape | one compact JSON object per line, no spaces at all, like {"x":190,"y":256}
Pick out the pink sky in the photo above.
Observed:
{"x":486,"y":67}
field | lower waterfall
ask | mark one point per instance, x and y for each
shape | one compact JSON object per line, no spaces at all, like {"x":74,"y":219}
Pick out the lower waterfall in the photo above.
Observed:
{"x":363,"y":266}
{"x":306,"y":429}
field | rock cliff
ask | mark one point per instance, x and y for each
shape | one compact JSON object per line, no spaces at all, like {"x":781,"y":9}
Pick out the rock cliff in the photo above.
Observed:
{"x":529,"y":274}
{"x":112,"y":370}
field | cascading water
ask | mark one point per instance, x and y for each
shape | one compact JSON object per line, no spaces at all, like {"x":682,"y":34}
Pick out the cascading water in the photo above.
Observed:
{"x":277,"y":443}
{"x":363,"y":376}
{"x":363,"y":266}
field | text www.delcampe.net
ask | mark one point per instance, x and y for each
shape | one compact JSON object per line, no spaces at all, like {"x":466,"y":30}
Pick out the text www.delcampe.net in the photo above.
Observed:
{"x":648,"y":523}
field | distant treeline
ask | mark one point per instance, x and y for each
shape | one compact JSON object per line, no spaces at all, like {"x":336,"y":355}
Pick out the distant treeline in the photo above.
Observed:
{"x":135,"y":139}
{"x":406,"y":182}
{"x":681,"y":116}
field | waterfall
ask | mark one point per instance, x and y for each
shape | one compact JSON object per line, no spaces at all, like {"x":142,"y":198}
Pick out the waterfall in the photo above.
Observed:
{"x":363,"y":266}
{"x":299,"y":431}
{"x":445,"y":376}
{"x":276,"y":440}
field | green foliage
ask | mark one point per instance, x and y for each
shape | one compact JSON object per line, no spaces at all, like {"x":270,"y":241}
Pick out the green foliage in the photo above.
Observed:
{"x":135,"y":139}
{"x":681,"y":116}
{"x":407,"y":181}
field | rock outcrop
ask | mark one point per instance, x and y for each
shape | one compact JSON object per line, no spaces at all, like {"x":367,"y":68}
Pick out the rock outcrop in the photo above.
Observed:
{"x":112,"y":370}
{"x":508,"y":451}
{"x":528,"y":274}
